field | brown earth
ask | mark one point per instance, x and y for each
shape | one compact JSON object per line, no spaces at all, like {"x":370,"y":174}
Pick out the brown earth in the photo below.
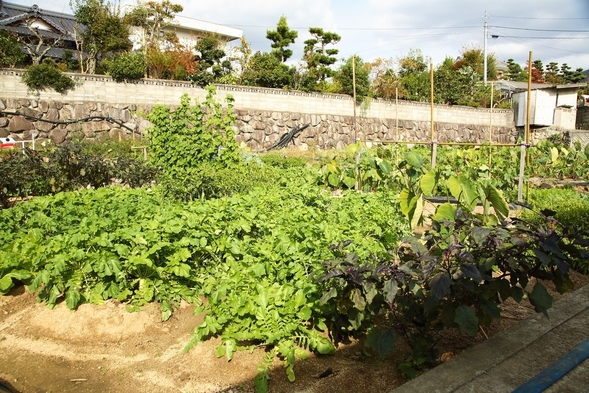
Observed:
{"x":104,"y":348}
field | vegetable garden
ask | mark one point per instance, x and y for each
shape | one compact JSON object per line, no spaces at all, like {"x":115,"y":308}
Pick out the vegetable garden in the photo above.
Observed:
{"x":296,"y":255}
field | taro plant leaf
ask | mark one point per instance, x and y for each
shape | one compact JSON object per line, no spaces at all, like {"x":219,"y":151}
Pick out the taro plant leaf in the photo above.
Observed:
{"x":418,"y":212}
{"x":540,"y":298}
{"x":350,"y":182}
{"x":440,"y":285}
{"x":428,"y":182}
{"x":553,"y":154}
{"x":405,"y":199}
{"x":333,"y":180}
{"x":497,"y":201}
{"x":381,"y":340}
{"x":463,"y":190}
{"x":385,"y":167}
{"x":411,"y":206}
{"x":413,"y":158}
{"x":447,"y":211}
{"x":467,"y":320}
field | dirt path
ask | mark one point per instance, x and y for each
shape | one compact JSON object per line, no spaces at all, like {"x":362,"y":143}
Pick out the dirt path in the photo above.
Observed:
{"x":107,"y":349}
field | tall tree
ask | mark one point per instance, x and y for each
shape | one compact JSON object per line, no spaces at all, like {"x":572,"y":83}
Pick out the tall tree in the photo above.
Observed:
{"x":539,"y":74}
{"x":385,"y":82}
{"x":266,"y":70}
{"x":242,"y":55}
{"x":318,"y":57}
{"x":345,"y":77}
{"x":414,"y":80}
{"x":100,"y":29}
{"x":152,"y":17}
{"x":449,"y":83}
{"x":551,"y":74}
{"x":474,"y":58}
{"x":10,"y":52}
{"x":211,"y":62}
{"x":515,"y":72}
{"x":281,"y":38}
{"x":37,"y":44}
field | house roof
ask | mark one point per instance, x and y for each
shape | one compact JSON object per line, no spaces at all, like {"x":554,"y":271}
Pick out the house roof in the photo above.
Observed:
{"x":523,"y":86}
{"x":13,"y":16}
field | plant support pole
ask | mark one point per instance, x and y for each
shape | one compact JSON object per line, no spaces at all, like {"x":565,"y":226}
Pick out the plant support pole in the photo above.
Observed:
{"x":525,"y":142}
{"x":433,"y":141}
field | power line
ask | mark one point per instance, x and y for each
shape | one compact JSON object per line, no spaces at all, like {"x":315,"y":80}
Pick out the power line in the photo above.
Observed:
{"x":368,"y":28}
{"x":529,"y":29}
{"x":547,"y":18}
{"x":540,"y":38}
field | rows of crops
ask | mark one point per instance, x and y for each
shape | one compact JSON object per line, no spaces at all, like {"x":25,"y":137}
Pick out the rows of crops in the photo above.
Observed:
{"x":294,"y":254}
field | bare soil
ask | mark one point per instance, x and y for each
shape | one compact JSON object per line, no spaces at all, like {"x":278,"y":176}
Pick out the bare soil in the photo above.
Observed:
{"x":104,"y":348}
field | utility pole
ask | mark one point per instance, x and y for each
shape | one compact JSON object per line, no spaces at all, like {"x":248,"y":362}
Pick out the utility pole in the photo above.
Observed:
{"x":485,"y":52}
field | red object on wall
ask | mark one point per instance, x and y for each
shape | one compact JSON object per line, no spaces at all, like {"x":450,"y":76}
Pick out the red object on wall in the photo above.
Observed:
{"x":6,"y":142}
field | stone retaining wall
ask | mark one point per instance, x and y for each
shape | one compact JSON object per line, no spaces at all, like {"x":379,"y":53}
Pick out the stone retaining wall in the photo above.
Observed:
{"x":263,"y":114}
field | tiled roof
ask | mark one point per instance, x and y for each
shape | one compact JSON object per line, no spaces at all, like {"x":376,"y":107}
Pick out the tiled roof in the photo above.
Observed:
{"x":13,"y":13}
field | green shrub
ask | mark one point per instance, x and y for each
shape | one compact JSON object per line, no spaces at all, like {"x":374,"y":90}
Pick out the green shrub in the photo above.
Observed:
{"x":68,"y":167}
{"x":46,"y":76}
{"x":127,"y":66}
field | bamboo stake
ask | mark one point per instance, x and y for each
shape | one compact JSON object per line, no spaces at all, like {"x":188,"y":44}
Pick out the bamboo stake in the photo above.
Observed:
{"x":433,"y":141}
{"x":522,"y":163}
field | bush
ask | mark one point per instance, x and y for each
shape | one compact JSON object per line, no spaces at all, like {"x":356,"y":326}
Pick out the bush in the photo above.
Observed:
{"x":127,"y":66}
{"x":47,"y":76}
{"x":65,"y":168}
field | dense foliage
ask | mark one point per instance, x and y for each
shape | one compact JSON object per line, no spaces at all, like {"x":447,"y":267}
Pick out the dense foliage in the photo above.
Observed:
{"x":251,"y":256}
{"x":127,"y":66}
{"x":67,"y":168}
{"x":47,"y":76}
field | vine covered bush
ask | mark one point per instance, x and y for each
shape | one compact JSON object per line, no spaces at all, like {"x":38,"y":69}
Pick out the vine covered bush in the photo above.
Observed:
{"x":191,"y":139}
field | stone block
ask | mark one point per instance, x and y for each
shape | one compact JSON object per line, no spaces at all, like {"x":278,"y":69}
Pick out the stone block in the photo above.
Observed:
{"x":19,"y":123}
{"x":58,"y":135}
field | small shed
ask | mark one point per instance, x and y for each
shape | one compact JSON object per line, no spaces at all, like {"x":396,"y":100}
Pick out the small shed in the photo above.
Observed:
{"x":550,"y":105}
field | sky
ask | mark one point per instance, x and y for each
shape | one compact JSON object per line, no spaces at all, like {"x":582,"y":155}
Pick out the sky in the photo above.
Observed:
{"x":553,"y":30}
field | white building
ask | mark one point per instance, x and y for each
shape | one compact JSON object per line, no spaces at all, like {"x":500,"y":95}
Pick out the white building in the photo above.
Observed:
{"x":550,"y":105}
{"x":189,"y":31}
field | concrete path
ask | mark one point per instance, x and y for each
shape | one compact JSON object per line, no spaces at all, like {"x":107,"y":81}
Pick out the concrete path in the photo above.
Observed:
{"x":508,"y":360}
